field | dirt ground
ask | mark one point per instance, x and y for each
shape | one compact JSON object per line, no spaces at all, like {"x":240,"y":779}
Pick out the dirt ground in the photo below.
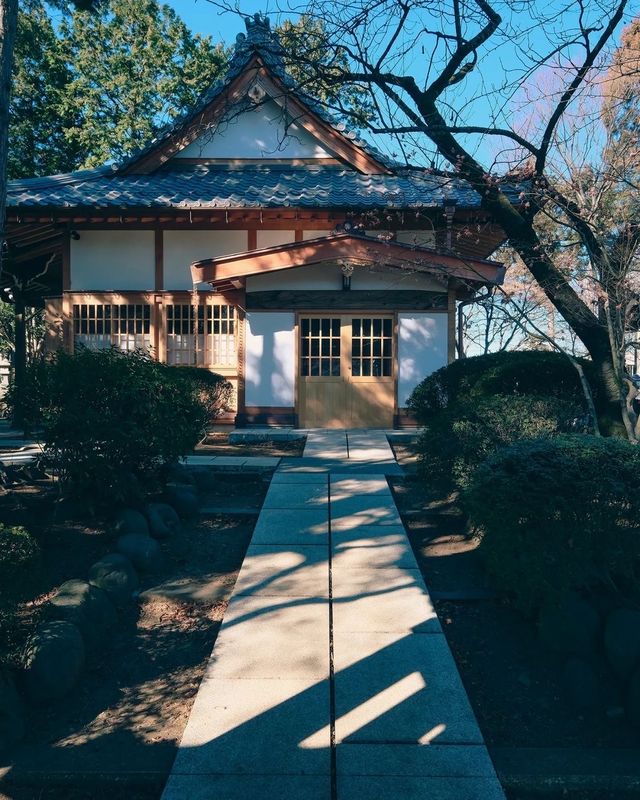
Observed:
{"x":514,"y":684}
{"x":115,"y":735}
{"x":217,"y":443}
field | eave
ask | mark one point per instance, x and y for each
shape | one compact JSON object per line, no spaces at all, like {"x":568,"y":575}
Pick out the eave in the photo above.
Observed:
{"x":232,"y":270}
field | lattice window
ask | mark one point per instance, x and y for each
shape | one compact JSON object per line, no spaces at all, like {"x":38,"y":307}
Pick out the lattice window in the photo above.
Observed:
{"x":98,"y":326}
{"x":214,"y":342}
{"x":132,"y":326}
{"x":320,"y":347}
{"x":221,"y":339}
{"x":371,"y":347}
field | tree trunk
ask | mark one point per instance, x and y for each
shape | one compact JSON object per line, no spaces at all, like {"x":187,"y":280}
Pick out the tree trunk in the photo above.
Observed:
{"x":19,"y":359}
{"x":8,"y":25}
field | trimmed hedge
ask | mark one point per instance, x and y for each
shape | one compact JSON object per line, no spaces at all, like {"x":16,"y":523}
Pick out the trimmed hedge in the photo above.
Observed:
{"x":558,"y":515}
{"x":534,"y":373}
{"x":455,"y":441}
{"x":111,"y":420}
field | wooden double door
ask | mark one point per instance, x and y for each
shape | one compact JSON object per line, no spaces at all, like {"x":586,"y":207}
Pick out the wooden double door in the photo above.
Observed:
{"x":346,"y":366}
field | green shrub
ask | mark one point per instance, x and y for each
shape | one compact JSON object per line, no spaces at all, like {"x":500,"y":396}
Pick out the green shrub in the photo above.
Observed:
{"x":213,"y":391}
{"x":454,"y":442}
{"x":111,"y":420}
{"x":20,"y":563}
{"x":557,"y":515}
{"x":532,"y":372}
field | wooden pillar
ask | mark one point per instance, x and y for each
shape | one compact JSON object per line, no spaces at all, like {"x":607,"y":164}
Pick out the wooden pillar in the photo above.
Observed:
{"x":451,"y":323}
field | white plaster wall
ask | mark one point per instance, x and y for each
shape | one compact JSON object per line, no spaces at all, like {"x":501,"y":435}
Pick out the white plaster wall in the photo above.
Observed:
{"x":422,"y":349}
{"x":270,"y":359}
{"x":314,"y":234}
{"x":256,"y":133}
{"x":329,"y":276}
{"x":273,"y":238}
{"x":181,"y":248}
{"x":106,"y":260}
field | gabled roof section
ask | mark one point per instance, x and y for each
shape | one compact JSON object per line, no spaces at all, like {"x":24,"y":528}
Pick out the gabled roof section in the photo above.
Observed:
{"x":258,"y":61}
{"x":231,"y":270}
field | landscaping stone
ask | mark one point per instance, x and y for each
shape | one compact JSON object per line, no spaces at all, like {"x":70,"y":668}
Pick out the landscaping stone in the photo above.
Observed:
{"x":54,"y":658}
{"x":142,"y":551}
{"x":115,"y":574}
{"x":12,"y":725}
{"x":571,"y":627}
{"x":163,"y":520}
{"x":128,"y":520}
{"x":183,"y":498}
{"x":633,"y":700}
{"x":87,"y":607}
{"x":581,"y":684}
{"x":622,"y":641}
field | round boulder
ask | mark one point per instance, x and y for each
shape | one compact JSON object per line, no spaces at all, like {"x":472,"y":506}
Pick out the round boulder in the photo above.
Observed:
{"x":622,"y":641}
{"x":163,"y":520}
{"x":54,"y":658}
{"x":581,"y":684}
{"x":570,"y":627}
{"x":87,"y":607}
{"x":183,"y":498}
{"x":115,"y":574}
{"x":11,"y":713}
{"x":128,"y":520}
{"x":142,"y":551}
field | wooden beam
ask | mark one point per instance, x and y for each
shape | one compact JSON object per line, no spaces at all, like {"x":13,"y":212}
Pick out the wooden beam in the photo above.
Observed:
{"x":344,"y":246}
{"x":326,"y":300}
{"x":159,"y":258}
{"x":66,"y":261}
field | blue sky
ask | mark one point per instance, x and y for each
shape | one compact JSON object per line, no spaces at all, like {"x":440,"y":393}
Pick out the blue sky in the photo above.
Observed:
{"x":203,"y":17}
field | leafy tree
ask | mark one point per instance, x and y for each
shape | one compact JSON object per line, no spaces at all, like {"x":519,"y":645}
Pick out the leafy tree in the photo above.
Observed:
{"x":135,"y":66}
{"x":38,"y":122}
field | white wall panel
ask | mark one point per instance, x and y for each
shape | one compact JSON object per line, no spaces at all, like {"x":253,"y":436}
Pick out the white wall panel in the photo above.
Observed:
{"x":106,"y":260}
{"x":270,"y":359}
{"x":257,"y":133}
{"x":181,"y":248}
{"x":329,"y":276}
{"x":273,"y":238}
{"x":422,"y":349}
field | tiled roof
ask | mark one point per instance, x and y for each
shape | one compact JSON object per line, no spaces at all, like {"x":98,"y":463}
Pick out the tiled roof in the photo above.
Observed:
{"x":246,"y":187}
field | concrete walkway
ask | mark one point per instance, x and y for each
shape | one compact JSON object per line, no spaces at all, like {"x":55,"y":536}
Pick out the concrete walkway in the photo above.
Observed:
{"x":331,"y":678}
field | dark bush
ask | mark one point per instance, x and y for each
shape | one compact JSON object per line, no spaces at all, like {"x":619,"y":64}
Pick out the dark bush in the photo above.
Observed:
{"x":455,"y":441}
{"x":558,"y":515}
{"x":20,"y":562}
{"x":532,"y":372}
{"x":213,"y":391}
{"x":111,"y":420}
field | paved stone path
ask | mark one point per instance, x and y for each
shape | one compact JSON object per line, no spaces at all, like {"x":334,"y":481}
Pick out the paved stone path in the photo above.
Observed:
{"x":331,"y":678}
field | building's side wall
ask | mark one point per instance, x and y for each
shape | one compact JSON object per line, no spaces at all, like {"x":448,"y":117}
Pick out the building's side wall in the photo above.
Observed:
{"x":181,"y":248}
{"x":270,"y":361}
{"x":422,"y":349}
{"x":112,"y":260}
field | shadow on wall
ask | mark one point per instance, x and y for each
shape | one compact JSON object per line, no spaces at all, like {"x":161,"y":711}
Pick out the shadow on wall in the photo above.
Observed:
{"x":270,"y":359}
{"x":422,"y":349}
